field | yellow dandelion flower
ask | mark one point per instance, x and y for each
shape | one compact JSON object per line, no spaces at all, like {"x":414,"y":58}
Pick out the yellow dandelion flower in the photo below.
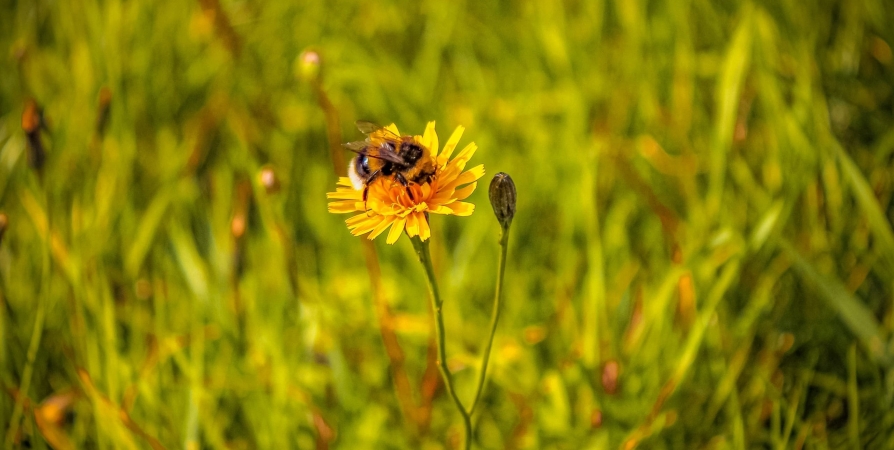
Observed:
{"x":388,"y":203}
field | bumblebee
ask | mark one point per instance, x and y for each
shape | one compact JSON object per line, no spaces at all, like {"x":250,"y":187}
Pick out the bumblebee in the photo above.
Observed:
{"x":385,"y":154}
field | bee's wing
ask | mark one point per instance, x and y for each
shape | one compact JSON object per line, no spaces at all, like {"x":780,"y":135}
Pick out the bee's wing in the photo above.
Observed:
{"x":370,"y":128}
{"x":387,"y":155}
{"x":356,"y":147}
{"x":367,"y":127}
{"x":382,"y":152}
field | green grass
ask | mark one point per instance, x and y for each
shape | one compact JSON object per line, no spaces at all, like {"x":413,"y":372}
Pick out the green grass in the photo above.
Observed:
{"x":702,"y":255}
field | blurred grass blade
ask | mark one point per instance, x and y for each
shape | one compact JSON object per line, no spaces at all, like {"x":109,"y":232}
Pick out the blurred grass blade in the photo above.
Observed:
{"x":765,"y":226}
{"x":594,"y":320}
{"x":697,"y":334}
{"x":41,"y":222}
{"x":112,"y":420}
{"x":146,"y":232}
{"x":557,"y":407}
{"x":877,"y":222}
{"x":729,"y":87}
{"x":191,"y":262}
{"x":855,"y":315}
{"x":853,"y":398}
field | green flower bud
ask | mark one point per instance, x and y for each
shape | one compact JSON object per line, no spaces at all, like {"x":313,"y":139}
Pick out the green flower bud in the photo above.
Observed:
{"x":502,"y":198}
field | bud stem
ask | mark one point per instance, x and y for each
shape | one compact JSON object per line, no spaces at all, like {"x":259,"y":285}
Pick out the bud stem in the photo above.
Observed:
{"x":494,"y":317}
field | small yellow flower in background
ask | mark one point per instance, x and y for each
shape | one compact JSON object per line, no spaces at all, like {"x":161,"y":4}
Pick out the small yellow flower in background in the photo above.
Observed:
{"x":388,"y":203}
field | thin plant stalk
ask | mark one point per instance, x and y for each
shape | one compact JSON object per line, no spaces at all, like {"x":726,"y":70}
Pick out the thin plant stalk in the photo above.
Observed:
{"x":494,"y":318}
{"x":424,"y":255}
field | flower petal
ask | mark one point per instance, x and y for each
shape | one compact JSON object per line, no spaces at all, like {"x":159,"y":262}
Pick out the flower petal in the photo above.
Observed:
{"x":345,"y":206}
{"x":393,"y":128}
{"x":464,"y":155}
{"x":444,"y":197}
{"x":424,"y":229}
{"x":468,"y":176}
{"x":425,"y":191}
{"x":386,"y":220}
{"x":451,"y":143}
{"x":412,"y":224}
{"x":345,"y":181}
{"x":447,"y":176}
{"x":453,"y":169}
{"x":359,"y":218}
{"x":464,"y":193}
{"x":440,"y":209}
{"x":345,"y":194}
{"x":461,"y":208}
{"x":365,"y":226}
{"x":430,"y":138}
{"x":396,"y":229}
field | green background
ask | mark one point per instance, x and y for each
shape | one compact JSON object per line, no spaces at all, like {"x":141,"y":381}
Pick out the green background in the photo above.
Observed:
{"x":702,"y":255}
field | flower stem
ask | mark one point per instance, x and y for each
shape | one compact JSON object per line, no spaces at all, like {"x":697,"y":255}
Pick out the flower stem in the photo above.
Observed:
{"x":494,"y":317}
{"x":424,"y":255}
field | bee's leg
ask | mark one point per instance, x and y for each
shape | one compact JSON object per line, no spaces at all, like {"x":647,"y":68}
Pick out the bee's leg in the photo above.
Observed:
{"x":369,"y":180}
{"x":425,"y":176}
{"x":403,"y":181}
{"x":365,"y":195}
